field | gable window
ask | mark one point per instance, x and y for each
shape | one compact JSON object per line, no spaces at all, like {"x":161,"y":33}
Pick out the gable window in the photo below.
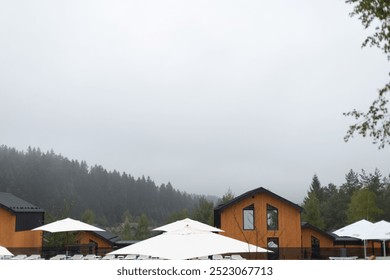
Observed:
{"x":272,"y":218}
{"x":248,"y":215}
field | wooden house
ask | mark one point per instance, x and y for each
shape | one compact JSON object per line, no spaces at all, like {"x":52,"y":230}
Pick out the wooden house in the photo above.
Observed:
{"x":17,"y":218}
{"x":265,"y":219}
{"x":317,"y":244}
{"x":97,"y":242}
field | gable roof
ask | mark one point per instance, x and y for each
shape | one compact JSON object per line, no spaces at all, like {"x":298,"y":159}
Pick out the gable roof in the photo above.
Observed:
{"x":251,"y":193}
{"x":312,"y":227}
{"x":107,"y":236}
{"x":16,"y":204}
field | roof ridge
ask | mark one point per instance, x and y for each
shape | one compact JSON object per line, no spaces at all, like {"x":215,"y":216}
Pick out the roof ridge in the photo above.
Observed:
{"x":253,"y":192}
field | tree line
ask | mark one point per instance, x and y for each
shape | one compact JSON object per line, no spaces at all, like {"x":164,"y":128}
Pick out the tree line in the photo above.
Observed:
{"x":107,"y":198}
{"x":362,"y":196}
{"x":129,"y":206}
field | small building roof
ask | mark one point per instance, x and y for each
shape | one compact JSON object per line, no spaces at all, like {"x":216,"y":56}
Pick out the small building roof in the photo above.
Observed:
{"x":108,"y":236}
{"x":17,"y":205}
{"x":310,"y":226}
{"x":345,"y":240}
{"x":337,"y":240}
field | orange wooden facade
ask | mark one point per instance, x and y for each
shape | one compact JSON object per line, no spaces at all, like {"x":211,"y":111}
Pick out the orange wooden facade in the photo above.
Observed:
{"x":294,"y":239}
{"x":287,"y":234}
{"x":11,"y":238}
{"x":325,"y":240}
{"x":289,"y":231}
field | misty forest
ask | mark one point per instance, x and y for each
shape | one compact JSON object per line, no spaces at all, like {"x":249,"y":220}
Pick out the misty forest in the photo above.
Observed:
{"x":128,"y":206}
{"x":116,"y":201}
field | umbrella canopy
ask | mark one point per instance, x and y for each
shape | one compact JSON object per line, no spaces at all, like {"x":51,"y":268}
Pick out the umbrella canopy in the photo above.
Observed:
{"x":366,"y":230}
{"x":187,"y":244}
{"x":181,"y":224}
{"x":360,"y":229}
{"x":4,"y":252}
{"x":381,"y":231}
{"x":66,"y":225}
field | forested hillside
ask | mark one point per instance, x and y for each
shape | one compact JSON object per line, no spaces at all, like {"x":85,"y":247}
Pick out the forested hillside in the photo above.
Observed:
{"x":53,"y":182}
{"x":58,"y":184}
{"x":362,"y":196}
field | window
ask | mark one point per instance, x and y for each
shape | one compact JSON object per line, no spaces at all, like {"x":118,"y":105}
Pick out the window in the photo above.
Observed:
{"x":273,"y":246}
{"x":315,"y":248}
{"x":272,"y":218}
{"x":248,"y":214}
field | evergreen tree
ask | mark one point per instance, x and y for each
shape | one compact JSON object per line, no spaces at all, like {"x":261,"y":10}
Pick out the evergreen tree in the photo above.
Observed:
{"x":127,"y":217}
{"x":385,"y":199}
{"x":372,"y":181}
{"x":142,"y":231}
{"x":88,"y":217}
{"x":126,"y":233}
{"x":311,"y":204}
{"x":229,"y":195}
{"x":332,"y":208}
{"x":204,"y":212}
{"x":179,"y":215}
{"x":315,"y":187}
{"x":363,"y":206}
{"x":311,"y":211}
{"x":351,"y":185}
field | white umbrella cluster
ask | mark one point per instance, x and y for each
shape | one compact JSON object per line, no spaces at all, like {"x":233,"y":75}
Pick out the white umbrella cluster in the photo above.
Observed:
{"x":366,"y":230}
{"x":187,"y":239}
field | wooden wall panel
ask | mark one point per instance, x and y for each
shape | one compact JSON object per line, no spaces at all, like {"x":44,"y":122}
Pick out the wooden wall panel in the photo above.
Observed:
{"x":11,"y":239}
{"x":289,"y":231}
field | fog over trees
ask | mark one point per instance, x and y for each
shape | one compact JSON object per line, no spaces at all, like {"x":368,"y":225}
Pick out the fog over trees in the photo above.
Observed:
{"x":53,"y":182}
{"x":130,"y":206}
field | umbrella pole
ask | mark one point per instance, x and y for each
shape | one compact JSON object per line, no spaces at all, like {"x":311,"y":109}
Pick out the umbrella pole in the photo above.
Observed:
{"x":384,"y":248}
{"x":66,"y":245}
{"x":365,"y":249}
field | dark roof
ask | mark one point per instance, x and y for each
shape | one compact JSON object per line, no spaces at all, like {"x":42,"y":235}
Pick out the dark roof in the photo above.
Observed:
{"x":337,"y":240}
{"x":108,"y":236}
{"x":252,"y":193}
{"x":16,"y":204}
{"x":308,"y":225}
{"x":345,"y":240}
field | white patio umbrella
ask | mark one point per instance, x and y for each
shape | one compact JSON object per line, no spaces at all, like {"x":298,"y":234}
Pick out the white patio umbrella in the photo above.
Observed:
{"x":360,"y":229}
{"x":188,"y":243}
{"x":181,"y":224}
{"x":67,"y":225}
{"x":380,"y":231}
{"x":4,"y":252}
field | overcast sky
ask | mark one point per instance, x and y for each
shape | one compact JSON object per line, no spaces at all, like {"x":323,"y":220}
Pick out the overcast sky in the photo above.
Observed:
{"x":207,"y":95}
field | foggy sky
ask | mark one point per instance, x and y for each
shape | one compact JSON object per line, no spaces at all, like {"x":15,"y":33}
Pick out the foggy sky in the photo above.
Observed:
{"x":207,"y":95}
